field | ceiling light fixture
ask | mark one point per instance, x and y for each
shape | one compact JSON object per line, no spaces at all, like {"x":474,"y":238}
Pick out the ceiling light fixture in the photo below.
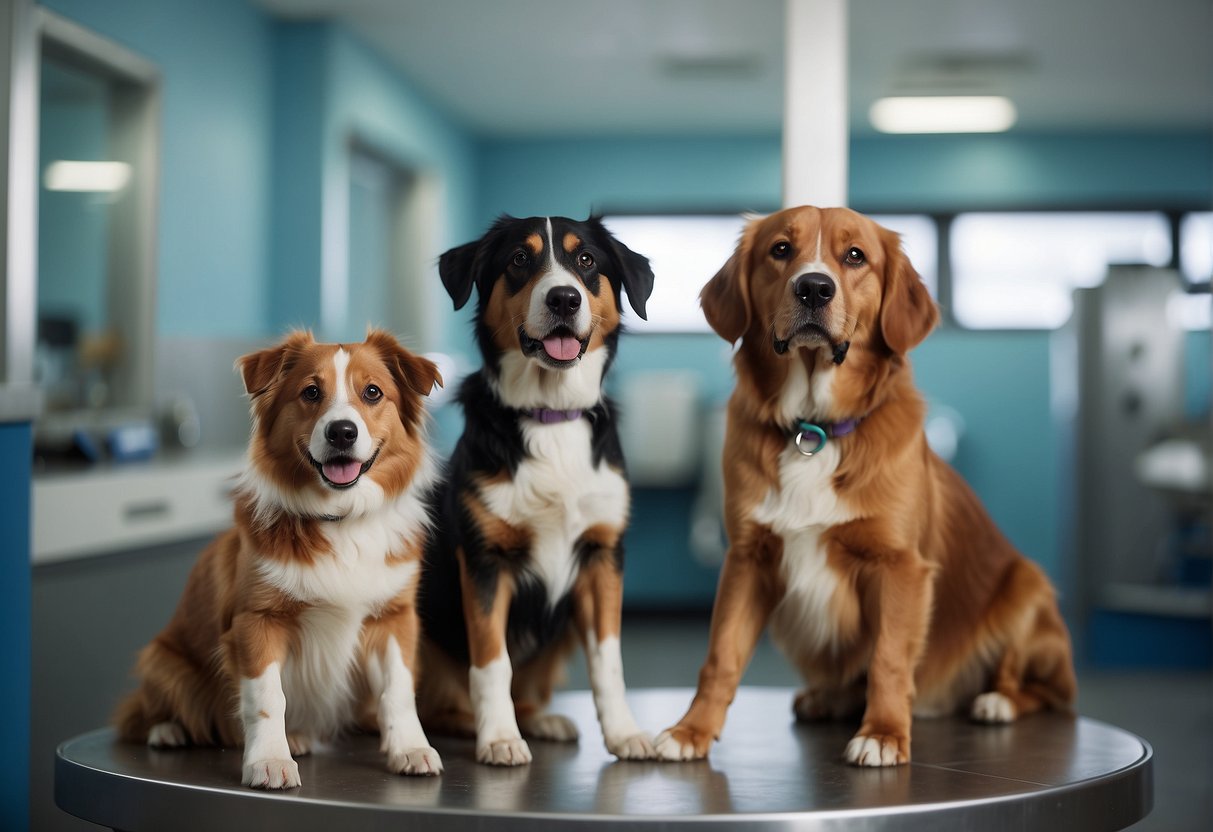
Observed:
{"x":943,"y":114}
{"x":89,"y":177}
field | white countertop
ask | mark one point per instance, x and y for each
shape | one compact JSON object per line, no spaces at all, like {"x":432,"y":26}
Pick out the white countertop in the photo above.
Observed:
{"x":112,"y":508}
{"x":19,"y":402}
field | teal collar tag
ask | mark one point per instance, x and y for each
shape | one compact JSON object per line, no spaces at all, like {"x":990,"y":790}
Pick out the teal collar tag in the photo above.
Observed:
{"x":810,"y":438}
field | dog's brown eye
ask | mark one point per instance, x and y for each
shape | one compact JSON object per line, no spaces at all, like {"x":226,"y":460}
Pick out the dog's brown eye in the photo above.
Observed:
{"x":521,"y":258}
{"x":585,"y":260}
{"x":781,"y":250}
{"x":371,"y":394}
{"x":311,"y":393}
{"x":854,"y":257}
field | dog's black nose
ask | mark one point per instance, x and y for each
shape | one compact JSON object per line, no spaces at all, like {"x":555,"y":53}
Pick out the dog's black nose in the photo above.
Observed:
{"x":564,"y":300}
{"x":341,"y":434}
{"x":814,"y":290}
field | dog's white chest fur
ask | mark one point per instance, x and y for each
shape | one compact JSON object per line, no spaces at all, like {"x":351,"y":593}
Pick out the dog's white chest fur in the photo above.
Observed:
{"x":557,"y":493}
{"x":341,"y":588}
{"x":800,"y":510}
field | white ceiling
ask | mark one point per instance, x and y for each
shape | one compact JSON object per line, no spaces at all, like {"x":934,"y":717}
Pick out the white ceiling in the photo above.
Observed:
{"x":574,"y":67}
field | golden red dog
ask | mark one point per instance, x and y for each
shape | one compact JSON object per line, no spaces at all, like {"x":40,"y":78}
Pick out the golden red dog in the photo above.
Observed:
{"x":882,"y":577}
{"x":300,"y":622}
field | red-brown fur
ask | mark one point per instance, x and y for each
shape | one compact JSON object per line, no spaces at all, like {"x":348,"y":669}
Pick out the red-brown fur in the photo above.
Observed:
{"x":231,"y":621}
{"x":932,"y":601}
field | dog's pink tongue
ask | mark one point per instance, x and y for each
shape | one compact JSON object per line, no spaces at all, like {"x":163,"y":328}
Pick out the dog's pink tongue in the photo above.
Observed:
{"x":562,"y":347}
{"x":342,"y":473}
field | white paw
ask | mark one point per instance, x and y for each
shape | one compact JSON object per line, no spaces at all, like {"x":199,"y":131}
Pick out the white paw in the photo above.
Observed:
{"x":551,"y":727}
{"x":422,"y":761}
{"x":166,"y":735}
{"x":993,"y":708}
{"x":504,"y":753}
{"x":272,"y":774}
{"x":666,"y":747}
{"x":636,"y":747}
{"x":875,"y":751}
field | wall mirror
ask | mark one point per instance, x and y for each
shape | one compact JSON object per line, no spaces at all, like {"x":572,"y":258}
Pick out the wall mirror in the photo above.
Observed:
{"x":97,"y":163}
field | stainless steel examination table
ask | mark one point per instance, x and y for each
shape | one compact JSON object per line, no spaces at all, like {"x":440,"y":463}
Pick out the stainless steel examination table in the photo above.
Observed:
{"x":1046,"y":772}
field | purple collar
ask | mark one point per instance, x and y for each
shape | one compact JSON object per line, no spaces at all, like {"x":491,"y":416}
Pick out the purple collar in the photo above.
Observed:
{"x":547,"y":416}
{"x":810,"y":438}
{"x":841,"y":428}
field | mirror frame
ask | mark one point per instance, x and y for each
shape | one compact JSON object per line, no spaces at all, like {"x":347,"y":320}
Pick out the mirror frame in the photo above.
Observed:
{"x":132,"y":235}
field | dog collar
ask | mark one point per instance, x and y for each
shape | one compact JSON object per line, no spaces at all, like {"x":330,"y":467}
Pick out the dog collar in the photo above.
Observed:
{"x":810,"y":438}
{"x":547,"y":416}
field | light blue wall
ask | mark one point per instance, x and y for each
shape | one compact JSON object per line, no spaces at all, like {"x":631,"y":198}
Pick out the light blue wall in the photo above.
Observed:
{"x":330,"y":90}
{"x":921,"y":173}
{"x":572,"y":177}
{"x":1032,"y":171}
{"x":1198,"y":364}
{"x":297,"y":182}
{"x":213,"y":241}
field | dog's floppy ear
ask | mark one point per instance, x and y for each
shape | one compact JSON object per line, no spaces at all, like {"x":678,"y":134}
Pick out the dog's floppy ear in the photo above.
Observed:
{"x":726,"y":297}
{"x":907,"y":312}
{"x":467,"y":265}
{"x":633,"y":269}
{"x":411,"y":372}
{"x":636,"y":274}
{"x":260,"y":370}
{"x":457,"y":269}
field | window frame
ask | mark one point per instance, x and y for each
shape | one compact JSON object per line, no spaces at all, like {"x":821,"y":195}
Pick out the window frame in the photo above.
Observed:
{"x":944,"y":219}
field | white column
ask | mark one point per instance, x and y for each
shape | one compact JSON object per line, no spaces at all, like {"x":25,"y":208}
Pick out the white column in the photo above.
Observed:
{"x":19,"y":186}
{"x":815,"y":103}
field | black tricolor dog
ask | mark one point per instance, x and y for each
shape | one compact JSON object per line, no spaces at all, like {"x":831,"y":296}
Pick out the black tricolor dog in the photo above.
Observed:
{"x":527,"y":549}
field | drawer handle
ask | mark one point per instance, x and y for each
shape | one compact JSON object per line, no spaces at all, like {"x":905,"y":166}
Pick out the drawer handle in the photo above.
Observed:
{"x":138,"y":512}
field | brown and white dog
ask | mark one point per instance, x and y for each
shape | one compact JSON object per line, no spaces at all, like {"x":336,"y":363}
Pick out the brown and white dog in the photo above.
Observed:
{"x":299,"y":622}
{"x":882,"y":577}
{"x":527,"y":551}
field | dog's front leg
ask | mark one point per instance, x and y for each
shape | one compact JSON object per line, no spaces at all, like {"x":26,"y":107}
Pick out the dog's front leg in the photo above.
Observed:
{"x":391,"y":648}
{"x":898,"y":599}
{"x":598,"y":613}
{"x":745,"y":597}
{"x":257,"y":646}
{"x":486,"y":607}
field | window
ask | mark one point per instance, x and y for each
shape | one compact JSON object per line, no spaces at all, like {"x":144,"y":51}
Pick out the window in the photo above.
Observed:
{"x":686,"y":250}
{"x":1017,"y":271}
{"x":1196,"y":247}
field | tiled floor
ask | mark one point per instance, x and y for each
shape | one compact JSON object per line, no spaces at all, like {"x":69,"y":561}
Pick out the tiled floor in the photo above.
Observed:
{"x":1172,"y":710}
